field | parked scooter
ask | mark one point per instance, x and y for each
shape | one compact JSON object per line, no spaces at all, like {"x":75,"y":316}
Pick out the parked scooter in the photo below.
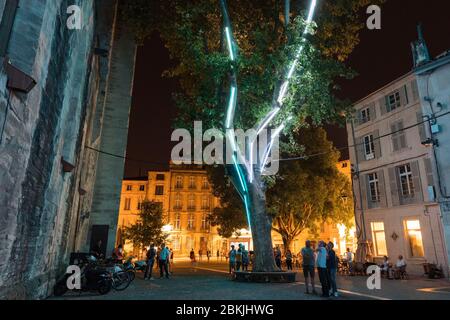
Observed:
{"x":93,"y":278}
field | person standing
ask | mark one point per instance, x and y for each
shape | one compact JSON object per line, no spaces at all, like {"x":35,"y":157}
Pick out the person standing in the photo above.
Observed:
{"x":192,"y":257}
{"x":245,"y":259}
{"x":218,"y":255}
{"x":239,"y":258}
{"x":349,"y":258}
{"x":308,"y":265}
{"x":289,"y":259}
{"x":200,"y":254}
{"x":332,"y":269}
{"x":232,"y":258}
{"x":322,"y":268}
{"x":208,"y":254}
{"x":277,"y":254}
{"x":151,"y":254}
{"x":164,"y":255}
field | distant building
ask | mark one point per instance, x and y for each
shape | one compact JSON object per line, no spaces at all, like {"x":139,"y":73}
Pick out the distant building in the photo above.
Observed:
{"x":393,"y":177}
{"x":187,"y":199}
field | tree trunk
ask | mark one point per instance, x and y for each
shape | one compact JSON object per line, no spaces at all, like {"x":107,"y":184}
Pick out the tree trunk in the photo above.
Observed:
{"x":287,"y":242}
{"x":261,"y":225}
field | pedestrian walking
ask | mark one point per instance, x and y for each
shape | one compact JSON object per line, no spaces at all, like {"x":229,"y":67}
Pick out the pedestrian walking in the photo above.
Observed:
{"x":151,"y":255}
{"x":232,"y":259}
{"x":289,"y":259}
{"x":164,"y":255}
{"x":322,"y":268}
{"x":332,"y":269}
{"x":218,"y":255}
{"x":208,"y":254}
{"x":193,"y":261}
{"x":200,"y":254}
{"x":349,"y":258}
{"x":308,"y":266}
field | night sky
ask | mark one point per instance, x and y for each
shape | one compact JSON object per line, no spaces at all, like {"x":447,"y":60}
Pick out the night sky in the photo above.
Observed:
{"x":381,"y":57}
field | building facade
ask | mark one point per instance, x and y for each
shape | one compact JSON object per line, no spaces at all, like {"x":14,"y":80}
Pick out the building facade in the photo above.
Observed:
{"x":393,"y":178}
{"x":64,"y":95}
{"x":433,"y":77}
{"x":187,"y":199}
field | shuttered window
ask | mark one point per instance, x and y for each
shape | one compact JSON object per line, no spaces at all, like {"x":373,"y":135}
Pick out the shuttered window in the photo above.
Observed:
{"x":421,"y":127}
{"x":398,"y":136}
{"x":415,"y":91}
{"x":6,"y":24}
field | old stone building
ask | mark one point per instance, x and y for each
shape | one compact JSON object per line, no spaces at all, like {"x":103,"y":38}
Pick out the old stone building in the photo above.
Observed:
{"x":64,"y":93}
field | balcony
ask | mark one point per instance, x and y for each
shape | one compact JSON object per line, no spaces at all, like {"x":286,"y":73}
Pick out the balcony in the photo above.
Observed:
{"x":178,"y":186}
{"x":178,"y":207}
{"x":192,"y":208}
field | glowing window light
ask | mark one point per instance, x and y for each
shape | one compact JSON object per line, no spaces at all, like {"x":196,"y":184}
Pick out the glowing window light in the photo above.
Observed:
{"x":230,"y":43}
{"x":231,"y":107}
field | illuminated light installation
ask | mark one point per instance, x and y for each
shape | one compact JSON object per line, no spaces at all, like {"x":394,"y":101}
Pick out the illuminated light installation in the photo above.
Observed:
{"x":241,"y":183}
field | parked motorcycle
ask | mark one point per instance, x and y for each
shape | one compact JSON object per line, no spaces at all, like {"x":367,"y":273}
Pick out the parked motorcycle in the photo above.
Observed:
{"x":93,"y":278}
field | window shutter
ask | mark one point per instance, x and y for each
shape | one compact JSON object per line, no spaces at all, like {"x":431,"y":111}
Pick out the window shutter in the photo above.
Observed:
{"x":377,"y":143}
{"x":394,"y":186}
{"x":383,"y":105}
{"x":364,"y":191}
{"x":382,"y":188}
{"x":395,"y":137}
{"x":430,"y":178}
{"x":6,"y":24}
{"x":422,"y":130}
{"x":360,"y":149}
{"x":373,"y":113}
{"x":415,"y":90}
{"x":370,"y":204}
{"x":402,"y":135}
{"x":418,"y":194}
{"x":404,"y":96}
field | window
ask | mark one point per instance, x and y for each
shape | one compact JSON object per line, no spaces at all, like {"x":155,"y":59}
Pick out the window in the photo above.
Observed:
{"x":191,"y":182}
{"x":177,"y":221}
{"x":129,"y":187}
{"x":398,"y":136}
{"x":406,"y":181}
{"x":364,"y":115}
{"x":379,"y":239}
{"x":205,"y":224}
{"x":369,"y":147}
{"x":414,"y":235}
{"x":142,"y":188}
{"x":179,"y":183}
{"x":344,"y":165}
{"x":191,"y":222}
{"x":127,"y":204}
{"x":191,"y":202}
{"x":176,"y":244}
{"x":205,"y":184}
{"x":374,"y":187}
{"x":159,"y":190}
{"x":393,"y":101}
{"x":139,"y":205}
{"x":160,"y":177}
{"x":205,"y":203}
{"x":178,"y":205}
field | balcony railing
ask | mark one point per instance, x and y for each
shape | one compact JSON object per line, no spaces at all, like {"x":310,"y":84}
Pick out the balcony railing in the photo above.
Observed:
{"x":191,"y":208}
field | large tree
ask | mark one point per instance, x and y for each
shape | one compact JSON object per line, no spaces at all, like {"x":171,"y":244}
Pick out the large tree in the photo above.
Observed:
{"x":265,"y":45}
{"x":148,"y":228}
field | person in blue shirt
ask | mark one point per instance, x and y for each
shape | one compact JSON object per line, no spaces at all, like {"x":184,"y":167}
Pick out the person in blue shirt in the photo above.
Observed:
{"x":322,"y":269}
{"x":164,"y":257}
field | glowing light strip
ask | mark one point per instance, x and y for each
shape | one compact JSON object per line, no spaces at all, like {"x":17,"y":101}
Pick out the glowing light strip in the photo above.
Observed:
{"x":266,"y":122}
{"x":231,"y":107}
{"x":250,"y":169}
{"x":247,"y":209}
{"x":241,"y":179}
{"x":274,"y":136}
{"x":230,"y":43}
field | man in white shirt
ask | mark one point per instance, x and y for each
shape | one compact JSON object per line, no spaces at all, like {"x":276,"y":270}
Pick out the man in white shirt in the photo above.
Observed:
{"x":349,"y":258}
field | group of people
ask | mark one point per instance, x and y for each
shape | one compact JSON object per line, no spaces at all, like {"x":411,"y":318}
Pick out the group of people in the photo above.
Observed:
{"x":238,"y":259}
{"x":163,"y":256}
{"x":393,"y":271}
{"x":324,"y":258}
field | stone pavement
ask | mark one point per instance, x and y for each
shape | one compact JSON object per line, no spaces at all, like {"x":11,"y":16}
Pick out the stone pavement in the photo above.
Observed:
{"x":210,"y":281}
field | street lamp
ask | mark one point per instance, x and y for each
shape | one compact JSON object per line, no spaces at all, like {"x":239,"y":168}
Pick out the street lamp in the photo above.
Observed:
{"x":167,"y":228}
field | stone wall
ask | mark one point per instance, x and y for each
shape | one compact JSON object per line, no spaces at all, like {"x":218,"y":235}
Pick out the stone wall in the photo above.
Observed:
{"x":44,"y":216}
